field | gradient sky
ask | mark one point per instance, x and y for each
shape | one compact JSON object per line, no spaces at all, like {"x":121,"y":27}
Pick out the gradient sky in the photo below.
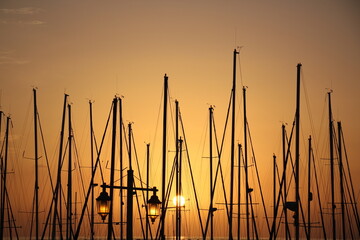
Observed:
{"x":96,"y":49}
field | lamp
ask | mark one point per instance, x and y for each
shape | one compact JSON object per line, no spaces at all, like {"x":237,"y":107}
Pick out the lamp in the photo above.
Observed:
{"x":154,"y":207}
{"x":103,"y":204}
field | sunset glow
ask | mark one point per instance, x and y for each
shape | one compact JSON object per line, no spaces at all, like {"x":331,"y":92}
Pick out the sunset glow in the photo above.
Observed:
{"x":82,"y":104}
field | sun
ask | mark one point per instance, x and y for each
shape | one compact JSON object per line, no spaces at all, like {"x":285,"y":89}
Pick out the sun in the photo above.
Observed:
{"x":179,"y":201}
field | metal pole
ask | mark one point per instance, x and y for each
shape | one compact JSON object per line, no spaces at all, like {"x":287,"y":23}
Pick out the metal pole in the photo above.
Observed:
{"x":92,"y":169}
{"x":274,"y":195}
{"x":69,"y":193}
{"x":147,"y":186}
{"x":309,"y":190}
{"x":112,"y":169}
{"x":341,"y":183}
{"x":333,"y":206}
{"x":4,"y":178}
{"x":130,"y":191}
{"x":163,"y":183}
{"x":297,"y":154}
{"x":211,"y":172}
{"x":246,"y":168}
{"x":36,"y":170}
{"x":121,"y":171}
{"x":239,"y":180}
{"x":232,"y":158}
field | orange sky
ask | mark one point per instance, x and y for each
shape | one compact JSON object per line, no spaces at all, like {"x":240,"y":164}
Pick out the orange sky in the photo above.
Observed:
{"x":96,"y":49}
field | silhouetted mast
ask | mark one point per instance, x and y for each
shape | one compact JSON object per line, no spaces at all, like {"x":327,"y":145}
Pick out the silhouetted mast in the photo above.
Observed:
{"x":112,"y":169}
{"x":36,"y":169}
{"x":69,"y":187}
{"x":274,"y":195}
{"x":58,"y":182}
{"x":211,"y":172}
{"x":121,"y":169}
{"x":297,"y":153}
{"x":232,"y":146}
{"x":332,"y":168}
{"x":287,"y":232}
{"x":341,"y":183}
{"x":309,"y":190}
{"x":4,"y":173}
{"x":246,"y":168}
{"x":163,"y":183}
{"x":92,"y":170}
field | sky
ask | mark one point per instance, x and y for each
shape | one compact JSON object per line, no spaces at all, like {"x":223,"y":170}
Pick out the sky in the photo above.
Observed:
{"x":94,"y":50}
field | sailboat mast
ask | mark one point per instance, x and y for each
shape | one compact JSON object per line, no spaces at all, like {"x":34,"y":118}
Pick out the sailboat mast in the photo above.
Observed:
{"x":69,"y":187}
{"x":297,"y":153}
{"x":92,"y":169}
{"x":112,"y":170}
{"x":211,"y":171}
{"x":147,"y":186}
{"x":36,"y":169}
{"x":341,"y":182}
{"x":163,"y":183}
{"x":246,"y":168}
{"x":4,"y":178}
{"x":309,"y":190}
{"x":121,"y":169}
{"x":232,"y":146}
{"x":57,"y":193}
{"x":130,"y":190}
{"x":274,"y":195}
{"x":284,"y":181}
{"x":332,"y":168}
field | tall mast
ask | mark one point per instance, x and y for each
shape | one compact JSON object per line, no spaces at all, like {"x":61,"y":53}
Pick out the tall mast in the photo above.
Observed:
{"x":112,"y":170}
{"x":57,"y":195}
{"x":121,"y":169}
{"x":232,"y":145}
{"x":284,"y":180}
{"x":36,"y":169}
{"x":4,"y":179}
{"x":309,"y":190}
{"x":246,"y":167}
{"x":274,"y":194}
{"x":163,"y":183}
{"x":341,"y":183}
{"x":211,"y":172}
{"x":147,"y":186}
{"x":69,"y":187}
{"x":297,"y":153}
{"x":177,"y":172}
{"x":129,"y":227}
{"x":92,"y":170}
{"x":332,"y":168}
{"x":239,"y":188}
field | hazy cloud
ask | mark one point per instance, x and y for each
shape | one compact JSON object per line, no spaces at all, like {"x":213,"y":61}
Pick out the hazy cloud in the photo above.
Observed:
{"x":29,"y":22}
{"x":21,"y":11}
{"x":7,"y":57}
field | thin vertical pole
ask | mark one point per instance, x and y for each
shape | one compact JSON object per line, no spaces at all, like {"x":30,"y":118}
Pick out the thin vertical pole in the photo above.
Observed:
{"x":333,"y":206}
{"x":177,"y":176}
{"x":121,"y":171}
{"x":163,"y":183}
{"x":246,"y":167}
{"x":4,"y":178}
{"x":284,"y":180}
{"x":130,"y":191}
{"x":147,"y":186}
{"x":112,"y":170}
{"x":239,"y":188}
{"x":232,"y":158}
{"x":92,"y":170}
{"x":211,"y":172}
{"x":180,"y":193}
{"x":309,"y":190}
{"x":341,"y":183}
{"x":274,"y":194}
{"x":36,"y":170}
{"x":69,"y":187}
{"x":297,"y":153}
{"x":57,"y":214}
